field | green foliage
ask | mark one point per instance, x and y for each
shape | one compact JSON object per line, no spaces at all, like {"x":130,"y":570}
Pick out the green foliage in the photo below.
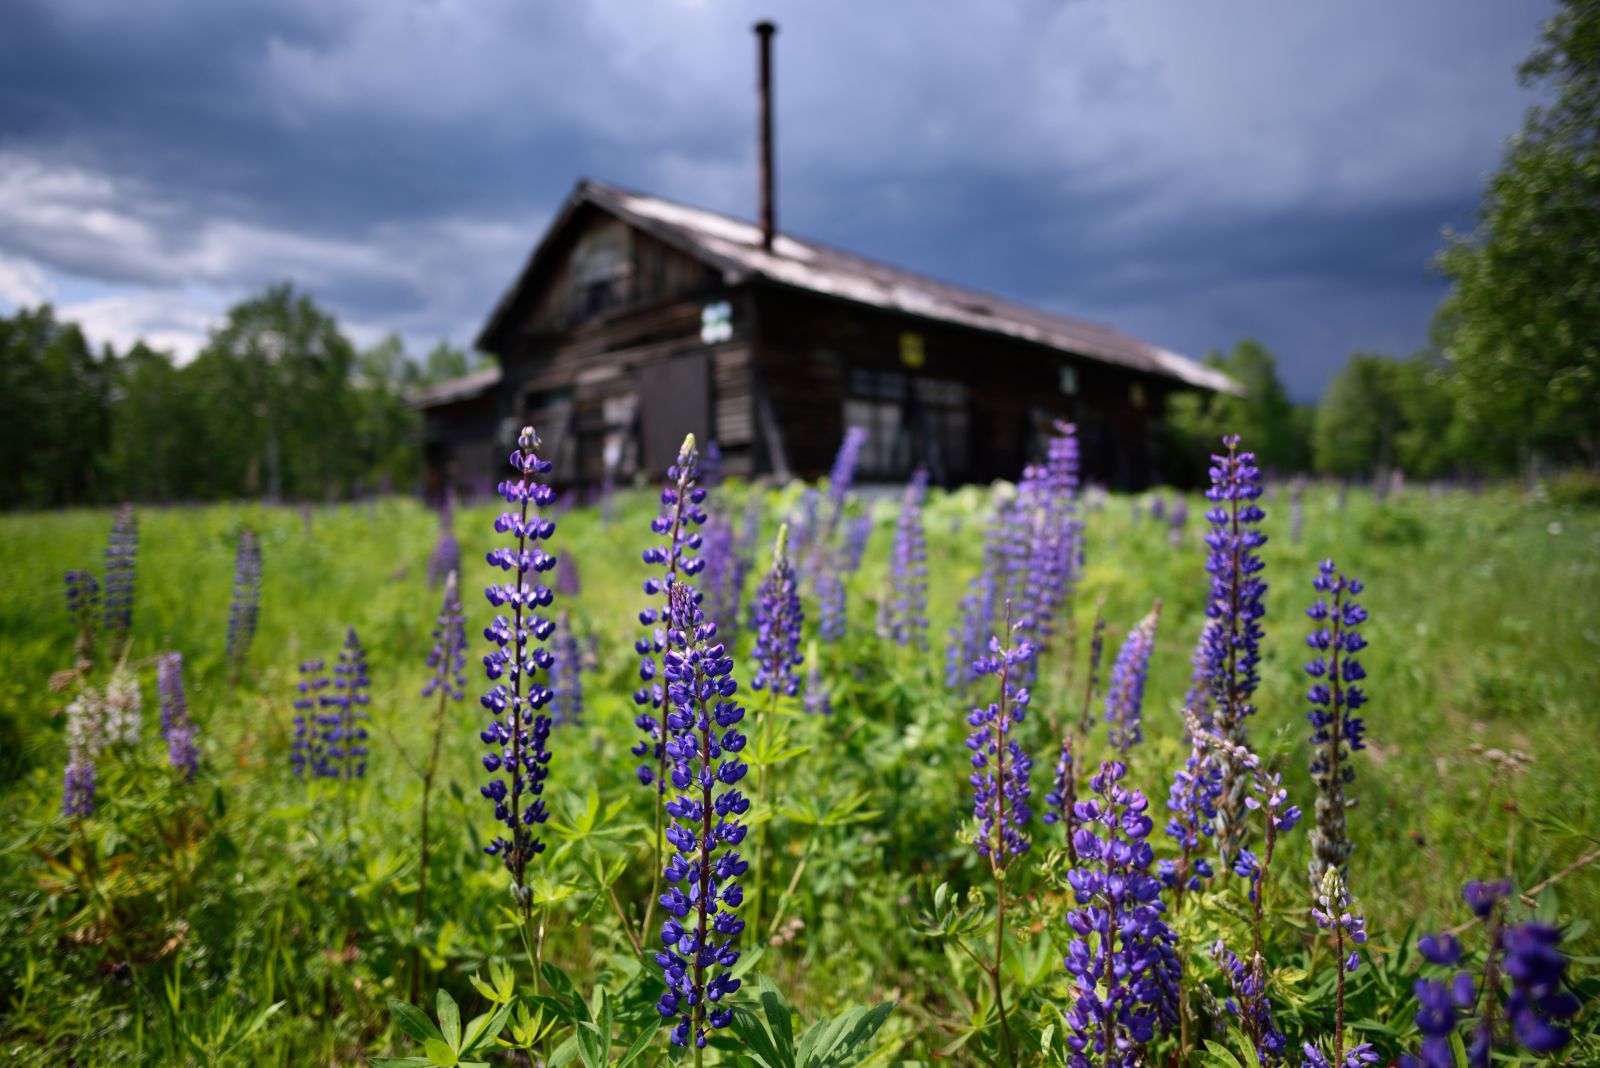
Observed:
{"x":1263,"y":415}
{"x":1526,"y":284}
{"x":840,"y":1041}
{"x":278,"y":404}
{"x":243,"y":891}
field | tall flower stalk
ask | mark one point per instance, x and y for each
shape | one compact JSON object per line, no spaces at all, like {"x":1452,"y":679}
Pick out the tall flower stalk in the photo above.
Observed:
{"x":1233,"y":642}
{"x":677,"y":556}
{"x":1335,"y":696}
{"x":1332,"y":912}
{"x":244,"y":612}
{"x":122,"y":552}
{"x":1125,"y":696}
{"x":1122,"y":956}
{"x":780,"y":624}
{"x":566,"y":672}
{"x":447,"y":664}
{"x":1000,"y":800}
{"x":703,"y":895}
{"x":906,"y":609}
{"x":83,"y":608}
{"x":177,"y":728}
{"x":518,"y":761}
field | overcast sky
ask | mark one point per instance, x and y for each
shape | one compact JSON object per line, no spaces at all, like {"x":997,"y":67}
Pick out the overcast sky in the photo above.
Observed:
{"x":1188,"y":172}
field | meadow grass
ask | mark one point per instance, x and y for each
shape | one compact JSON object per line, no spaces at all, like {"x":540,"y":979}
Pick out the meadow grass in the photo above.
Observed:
{"x":1484,"y":632}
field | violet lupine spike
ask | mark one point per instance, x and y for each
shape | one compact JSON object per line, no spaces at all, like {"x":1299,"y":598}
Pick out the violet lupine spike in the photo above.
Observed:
{"x":183,"y":752}
{"x":1000,"y":766}
{"x":244,"y":611}
{"x":822,"y":531}
{"x":344,"y":735}
{"x":1247,"y":1000}
{"x":122,"y":551}
{"x":1333,"y":912}
{"x":818,"y":699}
{"x":721,"y":599}
{"x":1057,"y":535}
{"x":307,"y":752}
{"x":703,"y":895}
{"x":677,"y":555}
{"x":85,"y":738}
{"x":780,"y":623}
{"x":566,"y":674}
{"x":856,"y":536}
{"x":1198,"y":699}
{"x":1122,"y":957}
{"x":1177,"y":521}
{"x":1533,"y":1015}
{"x":519,"y":731}
{"x":445,"y":558}
{"x":1192,"y":802}
{"x":1233,"y":652}
{"x":447,"y":660}
{"x":906,"y":621}
{"x":83,"y":608}
{"x":1335,"y":696}
{"x":77,"y":786}
{"x":1125,"y":695}
{"x":568,"y":582}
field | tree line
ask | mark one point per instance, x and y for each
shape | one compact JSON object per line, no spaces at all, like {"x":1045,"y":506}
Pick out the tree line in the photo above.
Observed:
{"x":279,"y":404}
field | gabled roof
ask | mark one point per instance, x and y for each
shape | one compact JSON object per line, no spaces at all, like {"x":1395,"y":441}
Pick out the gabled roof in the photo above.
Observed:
{"x":455,"y":389}
{"x":733,"y":246}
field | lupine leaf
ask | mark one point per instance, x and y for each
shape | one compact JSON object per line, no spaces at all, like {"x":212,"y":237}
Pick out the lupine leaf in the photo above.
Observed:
{"x":413,"y":1021}
{"x":449,"y":1019}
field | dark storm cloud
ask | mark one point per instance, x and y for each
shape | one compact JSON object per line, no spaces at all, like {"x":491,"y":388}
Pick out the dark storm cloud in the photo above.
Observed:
{"x":1188,"y":175}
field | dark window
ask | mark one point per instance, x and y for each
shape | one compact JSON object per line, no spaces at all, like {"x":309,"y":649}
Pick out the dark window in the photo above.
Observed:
{"x":911,"y":421}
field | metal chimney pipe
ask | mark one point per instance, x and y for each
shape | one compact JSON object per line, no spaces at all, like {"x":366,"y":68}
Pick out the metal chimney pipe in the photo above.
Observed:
{"x":769,"y":226}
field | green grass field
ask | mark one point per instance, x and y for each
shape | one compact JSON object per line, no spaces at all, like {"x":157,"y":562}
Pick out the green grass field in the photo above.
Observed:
{"x":163,"y":929}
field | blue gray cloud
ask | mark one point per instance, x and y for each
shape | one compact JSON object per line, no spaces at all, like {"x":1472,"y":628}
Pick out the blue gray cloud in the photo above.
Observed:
{"x":1190,"y":173}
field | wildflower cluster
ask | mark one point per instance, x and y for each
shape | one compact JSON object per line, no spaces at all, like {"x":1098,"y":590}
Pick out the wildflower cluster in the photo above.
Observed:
{"x":122,"y":551}
{"x":677,"y":556}
{"x":780,"y":623}
{"x":1122,"y":956}
{"x":1125,"y":695}
{"x":703,"y":895}
{"x":1233,"y":642}
{"x":183,"y":752}
{"x":83,"y":605}
{"x":905,"y":617}
{"x":1000,"y":766}
{"x":1531,"y":1015}
{"x":245,"y":610}
{"x":517,"y":734}
{"x":1335,"y":696}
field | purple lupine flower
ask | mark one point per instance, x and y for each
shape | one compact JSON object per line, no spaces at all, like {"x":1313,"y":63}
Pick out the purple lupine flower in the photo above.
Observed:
{"x":77,"y":786}
{"x":122,"y":551}
{"x":856,"y":536}
{"x":183,"y":753}
{"x":1233,"y":652}
{"x":1532,"y":1015}
{"x":818,"y":699}
{"x":703,"y":895}
{"x":1000,"y":766}
{"x":446,"y":555}
{"x":1332,"y":912}
{"x":1122,"y":957}
{"x":244,"y":612}
{"x":83,"y":606}
{"x":1158,"y":507}
{"x":566,"y":674}
{"x":677,"y":556}
{"x":1177,"y":521}
{"x":832,"y":617}
{"x":721,"y":599}
{"x":1192,"y":802}
{"x":711,"y":466}
{"x":1335,"y":696}
{"x":1247,"y":1000}
{"x":780,"y":623}
{"x":820,"y":532}
{"x":344,"y":737}
{"x":567,"y":581}
{"x":447,"y":660}
{"x":307,"y":753}
{"x":517,"y":734}
{"x":803,"y":523}
{"x":1125,"y":695}
{"x":1358,"y":1056}
{"x":906,"y":619}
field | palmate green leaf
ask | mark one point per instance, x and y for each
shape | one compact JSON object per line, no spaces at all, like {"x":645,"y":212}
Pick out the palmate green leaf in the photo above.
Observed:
{"x":768,"y":1038}
{"x":843,"y":1040}
{"x":449,"y":1019}
{"x":413,"y":1021}
{"x":641,"y":1043}
{"x":483,"y":1029}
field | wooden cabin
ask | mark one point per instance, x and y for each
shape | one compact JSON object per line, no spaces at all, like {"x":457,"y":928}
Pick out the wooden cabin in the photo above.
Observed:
{"x":637,"y":320}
